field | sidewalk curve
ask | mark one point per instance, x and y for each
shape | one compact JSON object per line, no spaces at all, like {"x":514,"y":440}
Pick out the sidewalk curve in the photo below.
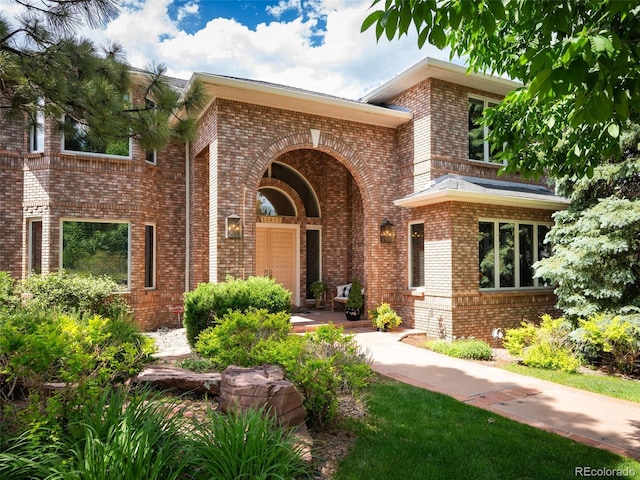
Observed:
{"x":584,"y":417}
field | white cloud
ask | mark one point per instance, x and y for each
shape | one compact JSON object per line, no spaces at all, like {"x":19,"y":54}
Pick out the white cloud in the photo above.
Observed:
{"x":307,"y":52}
{"x":191,"y":8}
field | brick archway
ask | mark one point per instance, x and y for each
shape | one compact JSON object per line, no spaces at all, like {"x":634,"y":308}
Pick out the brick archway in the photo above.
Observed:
{"x":356,"y":168}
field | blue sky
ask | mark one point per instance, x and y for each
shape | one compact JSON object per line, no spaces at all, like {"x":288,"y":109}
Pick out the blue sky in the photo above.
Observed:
{"x":311,"y":44}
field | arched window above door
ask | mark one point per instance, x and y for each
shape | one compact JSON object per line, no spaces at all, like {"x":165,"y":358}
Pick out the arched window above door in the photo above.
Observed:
{"x":291,"y":177}
{"x":271,"y":202}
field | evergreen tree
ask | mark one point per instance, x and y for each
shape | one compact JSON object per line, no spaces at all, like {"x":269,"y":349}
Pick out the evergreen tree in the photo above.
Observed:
{"x":44,"y":67}
{"x":596,"y":241}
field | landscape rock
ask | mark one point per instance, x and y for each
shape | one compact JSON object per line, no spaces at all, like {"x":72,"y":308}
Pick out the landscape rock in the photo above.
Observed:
{"x":256,"y":387}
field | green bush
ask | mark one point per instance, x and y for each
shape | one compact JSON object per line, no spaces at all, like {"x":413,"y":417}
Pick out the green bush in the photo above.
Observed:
{"x":200,"y":365}
{"x":209,"y":302}
{"x":547,"y":346}
{"x":38,"y":347}
{"x":247,"y":445}
{"x":322,"y":364}
{"x":235,"y":339}
{"x":613,"y":342}
{"x":384,"y":317}
{"x":8,"y":295}
{"x":469,"y":349}
{"x":62,"y":291}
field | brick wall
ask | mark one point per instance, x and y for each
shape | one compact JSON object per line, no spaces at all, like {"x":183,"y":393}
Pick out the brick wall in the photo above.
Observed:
{"x":352,"y":172}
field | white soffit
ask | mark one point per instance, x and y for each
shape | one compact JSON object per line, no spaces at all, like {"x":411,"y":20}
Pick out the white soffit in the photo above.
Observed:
{"x":448,"y":72}
{"x":270,"y":95}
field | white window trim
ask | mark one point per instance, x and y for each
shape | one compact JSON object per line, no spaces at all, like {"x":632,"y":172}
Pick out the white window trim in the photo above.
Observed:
{"x":419,"y":288}
{"x":487,"y":102}
{"x":516,"y":246}
{"x":155,"y":257}
{"x":97,"y":220}
{"x":155,"y":157}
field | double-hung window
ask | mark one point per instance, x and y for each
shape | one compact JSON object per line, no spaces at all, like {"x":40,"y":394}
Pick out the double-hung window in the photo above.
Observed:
{"x":479,"y":148}
{"x":507,"y":251}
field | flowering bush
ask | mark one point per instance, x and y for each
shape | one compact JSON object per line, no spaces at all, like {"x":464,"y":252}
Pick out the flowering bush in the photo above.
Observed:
{"x":384,"y":317}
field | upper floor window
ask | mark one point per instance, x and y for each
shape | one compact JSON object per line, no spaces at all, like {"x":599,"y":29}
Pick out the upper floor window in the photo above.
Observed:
{"x":507,"y":252}
{"x":479,"y":148}
{"x":78,"y":139}
{"x":36,"y":134}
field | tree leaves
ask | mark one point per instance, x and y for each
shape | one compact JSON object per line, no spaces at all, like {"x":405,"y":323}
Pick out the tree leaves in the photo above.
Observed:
{"x":578,"y":57}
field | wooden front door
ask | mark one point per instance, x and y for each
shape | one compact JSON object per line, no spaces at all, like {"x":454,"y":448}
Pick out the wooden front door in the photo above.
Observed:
{"x":276,"y":256}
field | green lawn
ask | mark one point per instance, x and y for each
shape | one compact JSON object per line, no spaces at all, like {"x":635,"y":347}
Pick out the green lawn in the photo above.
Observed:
{"x":606,"y":385}
{"x":412,"y":433}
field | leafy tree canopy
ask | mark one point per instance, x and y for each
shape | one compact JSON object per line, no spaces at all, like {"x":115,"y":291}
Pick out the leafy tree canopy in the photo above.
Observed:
{"x":577,"y":59}
{"x":42,"y":61}
{"x":596,"y":241}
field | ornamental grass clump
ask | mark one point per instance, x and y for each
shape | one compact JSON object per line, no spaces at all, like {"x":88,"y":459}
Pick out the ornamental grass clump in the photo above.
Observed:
{"x":466,"y":348}
{"x":249,"y":445}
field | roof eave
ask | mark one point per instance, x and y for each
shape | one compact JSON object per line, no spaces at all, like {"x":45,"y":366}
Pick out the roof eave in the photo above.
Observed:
{"x":304,"y":102}
{"x":434,"y":68}
{"x":431,"y":198}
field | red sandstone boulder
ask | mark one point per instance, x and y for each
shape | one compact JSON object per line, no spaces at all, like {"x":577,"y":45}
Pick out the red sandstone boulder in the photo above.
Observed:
{"x":243,"y":388}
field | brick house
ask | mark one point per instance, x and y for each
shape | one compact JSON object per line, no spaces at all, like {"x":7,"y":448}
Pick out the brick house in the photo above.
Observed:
{"x":300,"y":186}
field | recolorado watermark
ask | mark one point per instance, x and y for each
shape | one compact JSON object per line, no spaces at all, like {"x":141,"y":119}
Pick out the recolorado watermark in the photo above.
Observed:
{"x":604,"y":472}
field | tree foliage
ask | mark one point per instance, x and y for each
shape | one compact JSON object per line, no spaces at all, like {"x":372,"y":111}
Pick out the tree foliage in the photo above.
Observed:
{"x":578,"y":61}
{"x":44,"y":67}
{"x":596,"y":241}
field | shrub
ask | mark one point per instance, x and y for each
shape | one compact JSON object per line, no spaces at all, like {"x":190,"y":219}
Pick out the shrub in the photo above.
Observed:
{"x":469,"y":349}
{"x":247,"y":445}
{"x":612,"y":342}
{"x":196,"y":364}
{"x":547,"y":346}
{"x":8,"y":294}
{"x":209,"y":302}
{"x":234,"y":340}
{"x":384,"y":317}
{"x":38,"y":347}
{"x":67,"y":292}
{"x":323,"y":364}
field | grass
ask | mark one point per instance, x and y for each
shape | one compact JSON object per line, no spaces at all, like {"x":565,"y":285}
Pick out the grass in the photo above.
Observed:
{"x":604,"y":384}
{"x":412,"y":433}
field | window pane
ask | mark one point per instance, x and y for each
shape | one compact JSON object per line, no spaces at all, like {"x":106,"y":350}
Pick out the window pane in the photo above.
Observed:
{"x":544,"y":250}
{"x":149,"y":256}
{"x":476,"y":130}
{"x":416,"y":255}
{"x":35,"y":246}
{"x":486,"y":255}
{"x":97,"y":248}
{"x":507,"y":251}
{"x":271,"y":202}
{"x":526,"y":255}
{"x":313,"y":259}
{"x":77,"y":139}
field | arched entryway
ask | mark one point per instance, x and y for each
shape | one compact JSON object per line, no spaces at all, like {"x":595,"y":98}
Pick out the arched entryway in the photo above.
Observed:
{"x":309,"y":223}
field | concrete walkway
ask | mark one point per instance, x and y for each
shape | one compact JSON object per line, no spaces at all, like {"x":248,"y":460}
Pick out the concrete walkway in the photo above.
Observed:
{"x":584,"y":417}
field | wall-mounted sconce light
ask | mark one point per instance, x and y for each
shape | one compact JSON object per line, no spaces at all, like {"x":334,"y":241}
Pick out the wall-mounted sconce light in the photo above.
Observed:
{"x":387,"y":232}
{"x":233,"y":226}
